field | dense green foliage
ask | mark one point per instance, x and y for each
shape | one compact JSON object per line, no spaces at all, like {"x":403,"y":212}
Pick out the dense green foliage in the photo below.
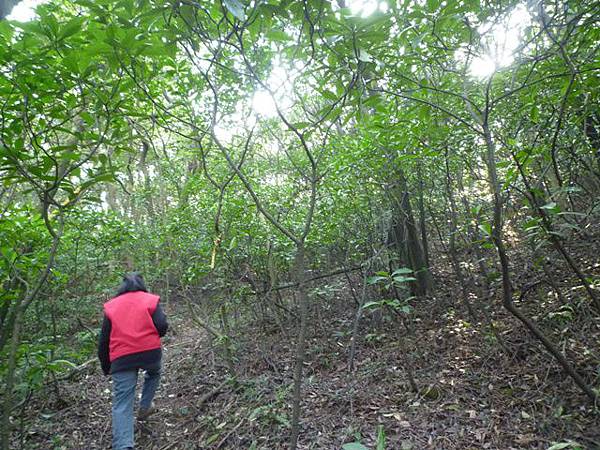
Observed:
{"x":233,"y":147}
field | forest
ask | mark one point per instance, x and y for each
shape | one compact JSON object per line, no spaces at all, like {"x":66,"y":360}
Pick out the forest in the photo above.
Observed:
{"x":372,"y":224}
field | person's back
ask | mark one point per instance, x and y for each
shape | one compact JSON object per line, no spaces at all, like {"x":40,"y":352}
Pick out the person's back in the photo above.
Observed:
{"x":133,"y":330}
{"x":130,"y":340}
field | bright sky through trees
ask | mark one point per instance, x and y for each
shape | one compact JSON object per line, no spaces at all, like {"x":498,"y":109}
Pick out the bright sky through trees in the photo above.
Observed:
{"x":365,"y":8}
{"x":263,"y":104}
{"x":25,"y":10}
{"x":500,"y":41}
{"x":280,"y":83}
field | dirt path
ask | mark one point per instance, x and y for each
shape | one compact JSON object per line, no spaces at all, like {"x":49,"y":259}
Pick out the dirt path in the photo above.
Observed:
{"x":80,"y":419}
{"x":472,"y":396}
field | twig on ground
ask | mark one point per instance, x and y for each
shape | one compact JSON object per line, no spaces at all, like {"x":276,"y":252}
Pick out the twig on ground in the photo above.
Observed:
{"x":77,"y":369}
{"x":211,"y":394}
{"x":104,"y":432}
{"x":230,"y":433}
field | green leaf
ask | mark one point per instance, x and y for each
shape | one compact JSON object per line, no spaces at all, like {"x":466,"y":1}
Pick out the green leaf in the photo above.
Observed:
{"x":58,"y":365}
{"x":401,"y":279}
{"x":486,"y":228}
{"x":278,"y":35}
{"x":71,"y":62}
{"x":329,"y":95}
{"x":406,"y":309}
{"x":354,"y":446}
{"x":375,"y":279}
{"x":33,"y":27}
{"x":562,"y":445}
{"x":375,"y":101}
{"x":232,"y":244}
{"x":235,"y":8}
{"x":371,"y":304}
{"x":380,"y":438}
{"x":535,"y":114}
{"x":531,"y":224}
{"x":87,"y":118}
{"x":551,"y":208}
{"x":69,"y":156}
{"x":104,"y":177}
{"x":300,"y":125}
{"x":6,"y":30}
{"x":72,"y":27}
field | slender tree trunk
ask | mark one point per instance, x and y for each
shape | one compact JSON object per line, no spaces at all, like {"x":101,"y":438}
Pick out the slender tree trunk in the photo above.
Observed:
{"x":300,"y":276}
{"x":507,"y":300}
{"x":415,"y":251}
{"x":9,"y":310}
{"x":133,"y":210}
{"x":575,"y":268}
{"x":422,"y":217}
{"x":143,"y":165}
{"x":485,"y":291}
{"x":553,"y":237}
{"x":9,"y":381}
{"x":438,"y":230}
{"x":591,"y":125}
{"x":356,"y":324}
{"x":452,"y":244}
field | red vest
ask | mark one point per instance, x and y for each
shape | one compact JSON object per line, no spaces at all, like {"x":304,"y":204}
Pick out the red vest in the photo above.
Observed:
{"x":132,"y":329}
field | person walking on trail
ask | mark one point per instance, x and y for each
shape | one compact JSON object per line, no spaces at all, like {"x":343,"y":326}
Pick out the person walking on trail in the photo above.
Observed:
{"x":129,"y":341}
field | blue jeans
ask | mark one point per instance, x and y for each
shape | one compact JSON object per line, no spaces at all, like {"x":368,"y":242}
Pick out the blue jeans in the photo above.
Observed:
{"x":124,"y":383}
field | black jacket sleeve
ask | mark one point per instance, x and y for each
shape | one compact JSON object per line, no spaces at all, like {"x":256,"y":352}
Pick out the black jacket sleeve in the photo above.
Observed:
{"x":160,"y":321}
{"x":103,"y":346}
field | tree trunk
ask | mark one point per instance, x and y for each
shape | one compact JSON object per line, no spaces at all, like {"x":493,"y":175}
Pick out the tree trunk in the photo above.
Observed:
{"x":538,"y":206}
{"x":591,"y":125}
{"x":143,"y":165}
{"x":507,"y":300}
{"x":356,"y":324}
{"x":452,"y":244}
{"x":9,"y":380}
{"x":300,"y":276}
{"x":415,"y":252}
{"x":422,"y":216}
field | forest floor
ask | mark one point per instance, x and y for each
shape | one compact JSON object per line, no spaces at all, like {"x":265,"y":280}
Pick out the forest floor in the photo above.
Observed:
{"x":472,"y":395}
